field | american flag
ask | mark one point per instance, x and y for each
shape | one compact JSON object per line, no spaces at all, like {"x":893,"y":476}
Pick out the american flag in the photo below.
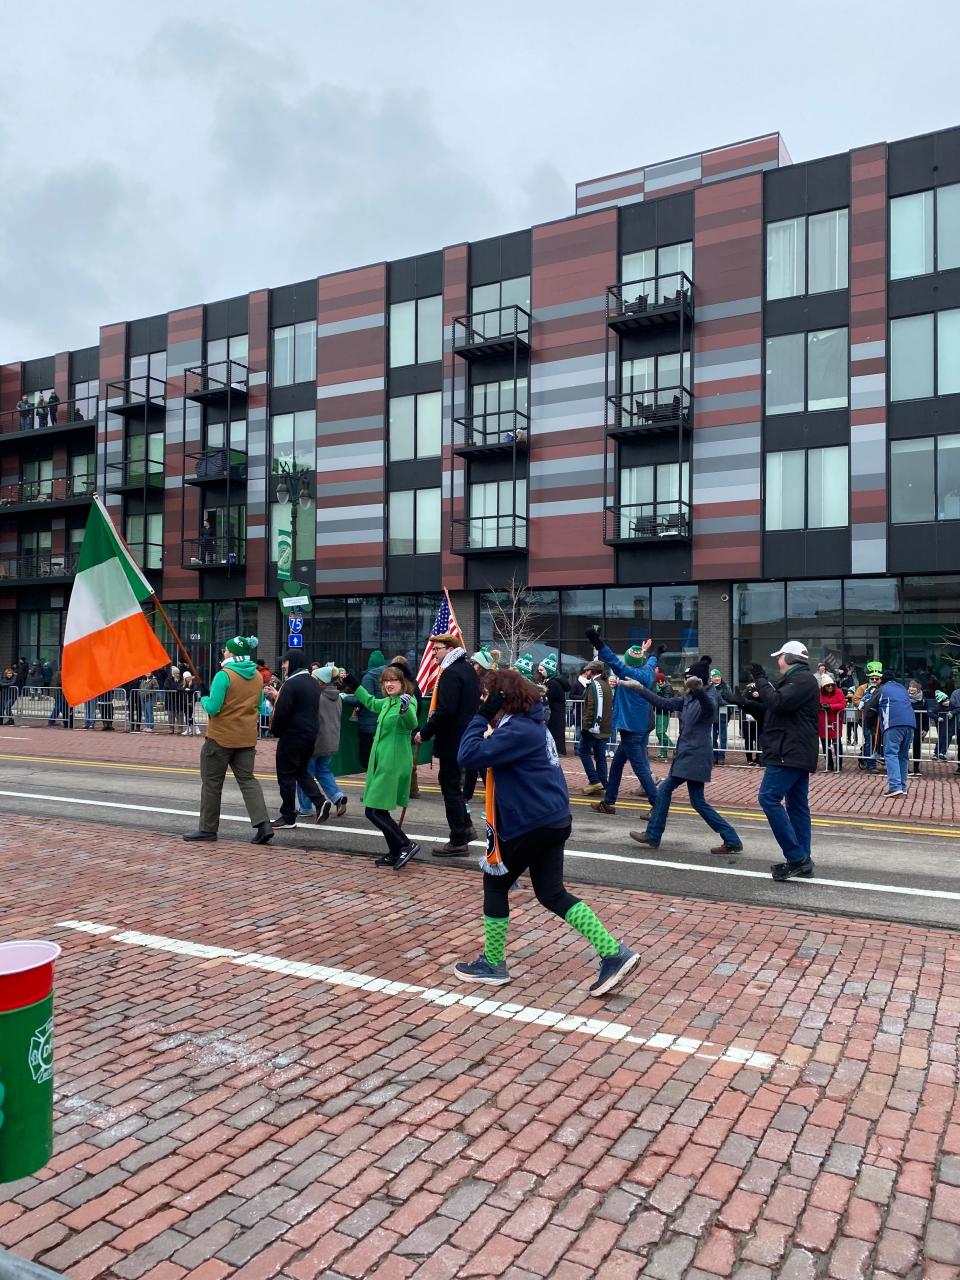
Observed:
{"x":446,"y":623}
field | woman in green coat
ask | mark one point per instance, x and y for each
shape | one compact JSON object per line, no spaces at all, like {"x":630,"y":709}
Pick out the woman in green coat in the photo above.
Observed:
{"x":391,"y":762}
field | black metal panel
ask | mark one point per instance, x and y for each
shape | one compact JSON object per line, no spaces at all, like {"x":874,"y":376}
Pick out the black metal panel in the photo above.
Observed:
{"x":910,"y":165}
{"x":499,"y":368}
{"x":501,"y":258}
{"x":293,"y":399}
{"x":402,"y":280}
{"x":495,"y":572}
{"x":414,"y":378}
{"x":920,"y":294}
{"x":146,"y":335}
{"x":674,"y":217}
{"x":496,"y":466}
{"x":813,"y":311}
{"x":85,"y":364}
{"x":635,"y":344}
{"x":292,"y":303}
{"x":227,"y":318}
{"x":429,"y":269}
{"x":653,"y":564}
{"x":803,"y":189}
{"x":913,"y":545}
{"x":638,"y":226}
{"x":408,"y":574}
{"x":223,"y":586}
{"x":37,"y":375}
{"x":414,"y":473}
{"x":907,"y":419}
{"x":817,"y":430}
{"x":810,"y":553}
{"x":647,"y":451}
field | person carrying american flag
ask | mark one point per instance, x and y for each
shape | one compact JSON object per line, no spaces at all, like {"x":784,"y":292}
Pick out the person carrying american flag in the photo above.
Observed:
{"x":447,"y":675}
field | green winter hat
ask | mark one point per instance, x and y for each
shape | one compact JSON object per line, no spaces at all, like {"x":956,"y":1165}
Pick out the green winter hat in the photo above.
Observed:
{"x":635,"y":656}
{"x":716,"y":672}
{"x":376,"y":660}
{"x":874,"y":668}
{"x":524,"y":665}
{"x":549,"y":665}
{"x":941,"y":696}
{"x":242,"y":646}
{"x":487,"y":658}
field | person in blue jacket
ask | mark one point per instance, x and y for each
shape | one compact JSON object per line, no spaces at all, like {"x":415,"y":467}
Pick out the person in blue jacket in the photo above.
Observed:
{"x":528,"y":822}
{"x":633,"y":718}
{"x":897,"y":720}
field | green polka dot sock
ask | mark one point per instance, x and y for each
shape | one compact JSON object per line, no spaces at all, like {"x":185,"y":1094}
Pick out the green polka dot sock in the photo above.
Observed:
{"x":584,"y":921}
{"x":495,"y":938}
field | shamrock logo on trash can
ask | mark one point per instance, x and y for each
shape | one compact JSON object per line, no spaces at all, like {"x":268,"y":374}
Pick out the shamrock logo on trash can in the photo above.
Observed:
{"x":40,"y":1054}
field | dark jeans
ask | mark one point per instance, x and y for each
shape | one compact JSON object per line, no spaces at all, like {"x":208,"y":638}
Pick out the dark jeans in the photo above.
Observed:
{"x":631,"y":748}
{"x":293,"y":760}
{"x":540,"y":851}
{"x":750,"y":740}
{"x":720,"y":741}
{"x":593,"y":756}
{"x":61,"y":711}
{"x":451,"y":788}
{"x":214,"y":762}
{"x":389,"y":829}
{"x":783,"y":798}
{"x":658,"y":819}
{"x":364,"y":746}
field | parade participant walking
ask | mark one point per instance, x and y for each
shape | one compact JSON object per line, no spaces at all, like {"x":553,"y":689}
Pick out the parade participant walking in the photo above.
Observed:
{"x":556,"y":689}
{"x":595,"y":722}
{"x":897,"y":721}
{"x":455,"y":698}
{"x":632,"y":718}
{"x":528,"y":822}
{"x":295,"y":724}
{"x":366,"y":721}
{"x":692,"y":764}
{"x":789,"y":743}
{"x":233,"y":707}
{"x":327,"y":743}
{"x":391,"y":761}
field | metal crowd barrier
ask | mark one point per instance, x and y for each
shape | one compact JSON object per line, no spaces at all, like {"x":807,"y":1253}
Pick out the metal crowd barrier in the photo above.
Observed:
{"x":162,"y":711}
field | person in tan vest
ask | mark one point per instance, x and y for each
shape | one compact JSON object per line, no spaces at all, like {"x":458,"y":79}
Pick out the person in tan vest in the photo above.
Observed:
{"x":233,"y":708}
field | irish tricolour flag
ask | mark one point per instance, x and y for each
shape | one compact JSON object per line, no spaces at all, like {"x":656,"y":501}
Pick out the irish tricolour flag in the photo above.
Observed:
{"x":108,"y":639}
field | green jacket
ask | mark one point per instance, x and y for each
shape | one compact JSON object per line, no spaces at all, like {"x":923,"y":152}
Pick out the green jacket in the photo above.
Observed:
{"x":391,"y":756}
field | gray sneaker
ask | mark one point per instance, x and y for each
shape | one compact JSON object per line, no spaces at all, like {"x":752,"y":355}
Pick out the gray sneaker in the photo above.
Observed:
{"x":613,"y":970}
{"x":481,"y":970}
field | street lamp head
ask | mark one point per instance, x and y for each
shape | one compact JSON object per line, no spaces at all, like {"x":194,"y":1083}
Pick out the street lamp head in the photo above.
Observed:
{"x":283,"y":492}
{"x":304,"y":496}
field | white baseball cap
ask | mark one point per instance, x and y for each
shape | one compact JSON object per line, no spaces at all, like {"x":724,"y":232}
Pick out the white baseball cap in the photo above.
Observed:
{"x":792,"y":649}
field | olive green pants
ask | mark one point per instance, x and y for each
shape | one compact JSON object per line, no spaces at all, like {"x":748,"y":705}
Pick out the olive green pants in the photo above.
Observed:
{"x":214,"y":762}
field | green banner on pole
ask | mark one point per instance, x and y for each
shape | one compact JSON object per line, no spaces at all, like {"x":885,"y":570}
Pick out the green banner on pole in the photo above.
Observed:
{"x":284,"y":554}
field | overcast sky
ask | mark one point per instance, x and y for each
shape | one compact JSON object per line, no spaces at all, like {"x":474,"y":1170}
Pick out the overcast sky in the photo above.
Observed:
{"x":154,"y":157}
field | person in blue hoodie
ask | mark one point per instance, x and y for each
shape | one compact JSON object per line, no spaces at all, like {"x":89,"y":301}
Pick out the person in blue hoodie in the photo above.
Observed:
{"x":897,"y":720}
{"x":633,"y":718}
{"x":528,"y":822}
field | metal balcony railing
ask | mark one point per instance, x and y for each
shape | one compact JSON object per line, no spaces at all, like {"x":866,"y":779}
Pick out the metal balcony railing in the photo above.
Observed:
{"x":62,"y":489}
{"x":505,"y":429}
{"x":656,"y":409}
{"x":489,"y":533}
{"x":216,"y":380}
{"x":39,"y":565}
{"x":226,"y":552}
{"x":137,"y":395}
{"x":655,"y":300}
{"x":647,"y":522}
{"x":492,"y":332}
{"x":62,"y":415}
{"x":139,"y":473}
{"x":216,"y":464}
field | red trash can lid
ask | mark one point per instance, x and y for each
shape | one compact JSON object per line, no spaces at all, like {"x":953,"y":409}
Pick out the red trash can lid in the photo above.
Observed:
{"x":26,"y":972}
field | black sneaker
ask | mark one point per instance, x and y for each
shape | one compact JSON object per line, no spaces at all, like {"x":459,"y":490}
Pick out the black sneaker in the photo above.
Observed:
{"x":613,"y":970}
{"x":386,"y":860}
{"x":406,"y":854}
{"x":281,"y":824}
{"x":262,"y":834}
{"x":209,"y":836}
{"x":787,"y":870}
{"x":323,"y":813}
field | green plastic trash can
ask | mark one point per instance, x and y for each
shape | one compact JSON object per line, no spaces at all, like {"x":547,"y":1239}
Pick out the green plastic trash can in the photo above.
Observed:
{"x":26,"y":1057}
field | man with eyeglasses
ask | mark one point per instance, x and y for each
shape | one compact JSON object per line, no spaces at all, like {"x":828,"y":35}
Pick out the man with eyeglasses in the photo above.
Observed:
{"x":862,"y":699}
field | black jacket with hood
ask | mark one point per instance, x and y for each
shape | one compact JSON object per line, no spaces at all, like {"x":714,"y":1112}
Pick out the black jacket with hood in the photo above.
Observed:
{"x":295,"y":713}
{"x":790,"y":732}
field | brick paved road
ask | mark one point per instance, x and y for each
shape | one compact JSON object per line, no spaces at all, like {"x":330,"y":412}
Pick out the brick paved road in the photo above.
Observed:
{"x":220,"y":1116}
{"x":932,"y":799}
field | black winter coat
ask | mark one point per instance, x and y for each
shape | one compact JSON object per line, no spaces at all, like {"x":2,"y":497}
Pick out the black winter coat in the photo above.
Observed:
{"x":790,"y":732}
{"x":693,"y":758}
{"x":557,"y":712}
{"x":296,"y":711}
{"x":458,"y":696}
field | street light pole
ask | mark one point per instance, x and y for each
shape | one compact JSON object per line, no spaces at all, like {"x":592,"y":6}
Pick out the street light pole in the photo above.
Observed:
{"x":294,"y":479}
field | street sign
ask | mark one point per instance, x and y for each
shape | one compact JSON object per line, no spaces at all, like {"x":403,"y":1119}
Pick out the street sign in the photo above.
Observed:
{"x":294,"y":597}
{"x":295,"y":622}
{"x":294,"y":641}
{"x":294,"y":602}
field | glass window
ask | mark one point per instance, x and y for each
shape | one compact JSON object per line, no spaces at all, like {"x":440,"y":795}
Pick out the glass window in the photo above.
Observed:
{"x":912,"y":481}
{"x":759,"y":623}
{"x":827,"y":234}
{"x":429,"y":424}
{"x":497,"y":301}
{"x":911,"y":235}
{"x":948,"y":227}
{"x":283,"y":356}
{"x":400,"y":539}
{"x":626,"y":618}
{"x":948,"y":352}
{"x":579,"y":609}
{"x":305,"y":351}
{"x":427,"y":535}
{"x":784,"y":373}
{"x":827,"y":369}
{"x":294,"y":353}
{"x":294,"y":441}
{"x":429,"y":329}
{"x":85,"y":400}
{"x":415,"y":426}
{"x":784,"y":490}
{"x":403,"y":334}
{"x":673,"y":258}
{"x":493,"y":505}
{"x":402,"y":421}
{"x":827,"y":487}
{"x":948,"y":478}
{"x":786,"y":258}
{"x":638,"y":271}
{"x":911,"y":358}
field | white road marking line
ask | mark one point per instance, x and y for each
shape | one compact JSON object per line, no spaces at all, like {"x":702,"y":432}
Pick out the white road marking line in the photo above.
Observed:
{"x":14,"y":737}
{"x":908,"y":891}
{"x":598,"y":1028}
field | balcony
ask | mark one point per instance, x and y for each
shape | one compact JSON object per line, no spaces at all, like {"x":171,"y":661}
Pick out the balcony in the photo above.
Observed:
{"x":71,"y":491}
{"x":210,"y":466}
{"x":133,"y":475}
{"x":482,"y":335}
{"x":65,"y":417}
{"x":227,"y":552}
{"x":148,"y":555}
{"x":489,"y":535}
{"x":39,"y":567}
{"x":643,"y":413}
{"x":487,"y":434}
{"x":216,"y":383}
{"x":646,"y":522}
{"x":657,"y":302}
{"x":138,"y":397}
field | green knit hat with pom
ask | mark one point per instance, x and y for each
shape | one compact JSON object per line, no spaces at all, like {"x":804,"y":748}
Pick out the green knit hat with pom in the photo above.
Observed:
{"x":549,"y":665}
{"x":524,"y":665}
{"x":242,"y":646}
{"x":635,"y":656}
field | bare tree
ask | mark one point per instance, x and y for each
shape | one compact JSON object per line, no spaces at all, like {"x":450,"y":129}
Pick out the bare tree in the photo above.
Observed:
{"x":951,"y":641}
{"x":512,"y":618}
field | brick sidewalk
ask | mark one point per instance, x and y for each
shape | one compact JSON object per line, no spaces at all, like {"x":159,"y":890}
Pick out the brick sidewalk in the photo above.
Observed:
{"x":236,"y":1115}
{"x":850,"y":794}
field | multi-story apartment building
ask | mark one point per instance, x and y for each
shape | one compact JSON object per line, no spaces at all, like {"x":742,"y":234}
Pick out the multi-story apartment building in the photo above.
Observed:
{"x":720,"y":401}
